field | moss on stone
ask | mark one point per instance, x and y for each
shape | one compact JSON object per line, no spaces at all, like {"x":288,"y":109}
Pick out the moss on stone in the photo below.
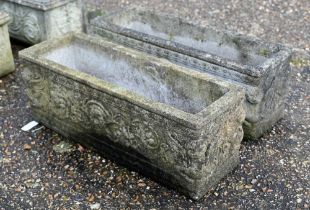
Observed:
{"x":264,"y":52}
{"x":171,"y":37}
{"x":199,"y":37}
{"x":236,"y":41}
{"x":95,"y":13}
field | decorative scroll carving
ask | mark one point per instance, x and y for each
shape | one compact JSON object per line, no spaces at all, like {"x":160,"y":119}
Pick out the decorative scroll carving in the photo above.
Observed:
{"x":37,"y":90}
{"x":31,"y":28}
{"x":25,"y":23}
{"x":118,"y":127}
{"x":59,"y":102}
{"x":97,"y":114}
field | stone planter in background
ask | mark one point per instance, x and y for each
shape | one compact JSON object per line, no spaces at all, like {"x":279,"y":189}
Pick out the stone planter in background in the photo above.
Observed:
{"x":6,"y":56}
{"x":34,"y":21}
{"x":176,"y":125}
{"x":261,"y":68}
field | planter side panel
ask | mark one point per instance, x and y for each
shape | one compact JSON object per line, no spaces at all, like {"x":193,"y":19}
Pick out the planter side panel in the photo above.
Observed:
{"x":220,"y":154}
{"x":64,"y":19}
{"x":270,"y":108}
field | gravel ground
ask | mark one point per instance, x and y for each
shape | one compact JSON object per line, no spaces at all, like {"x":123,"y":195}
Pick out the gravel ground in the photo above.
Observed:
{"x":42,"y":170}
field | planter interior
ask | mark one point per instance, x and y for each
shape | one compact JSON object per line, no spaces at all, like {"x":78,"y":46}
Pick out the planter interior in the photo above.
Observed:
{"x":153,"y":83}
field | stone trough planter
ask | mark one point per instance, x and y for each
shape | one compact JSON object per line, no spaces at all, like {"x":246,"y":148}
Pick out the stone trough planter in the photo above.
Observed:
{"x":6,"y":56}
{"x":181,"y":127}
{"x":261,"y":68}
{"x":34,"y":21}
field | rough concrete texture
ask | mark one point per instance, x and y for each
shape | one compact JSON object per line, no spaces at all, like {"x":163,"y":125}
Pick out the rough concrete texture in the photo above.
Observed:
{"x":36,"y":21}
{"x":6,"y":55}
{"x":261,"y":68}
{"x":274,"y":171}
{"x":185,"y":137}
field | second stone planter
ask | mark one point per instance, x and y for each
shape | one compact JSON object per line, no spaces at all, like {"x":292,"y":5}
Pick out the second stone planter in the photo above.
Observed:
{"x":181,"y":127}
{"x":261,"y":68}
{"x":34,"y":21}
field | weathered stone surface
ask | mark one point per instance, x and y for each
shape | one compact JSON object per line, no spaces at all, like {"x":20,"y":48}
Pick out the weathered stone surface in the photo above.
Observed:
{"x":39,"y":20}
{"x":176,"y":125}
{"x":6,"y":56}
{"x":261,"y":68}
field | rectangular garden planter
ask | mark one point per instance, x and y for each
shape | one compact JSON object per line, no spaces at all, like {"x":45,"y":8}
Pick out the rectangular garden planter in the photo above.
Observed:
{"x":6,"y":56}
{"x":178,"y":126}
{"x":34,"y":21}
{"x":261,"y":68}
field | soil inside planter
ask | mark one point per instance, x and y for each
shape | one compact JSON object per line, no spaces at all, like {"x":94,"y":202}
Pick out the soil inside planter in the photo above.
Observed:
{"x":203,"y":39}
{"x":155,"y":82}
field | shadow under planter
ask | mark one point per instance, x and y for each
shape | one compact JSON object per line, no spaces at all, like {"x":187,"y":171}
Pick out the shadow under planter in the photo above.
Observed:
{"x":261,"y":68}
{"x":6,"y":57}
{"x":178,"y":125}
{"x":34,"y":21}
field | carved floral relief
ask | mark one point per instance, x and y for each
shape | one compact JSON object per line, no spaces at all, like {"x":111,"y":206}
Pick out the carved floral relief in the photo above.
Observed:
{"x":64,"y":101}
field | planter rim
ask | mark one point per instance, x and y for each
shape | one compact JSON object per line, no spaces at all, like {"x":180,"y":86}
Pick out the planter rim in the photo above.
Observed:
{"x":194,"y":121}
{"x":253,"y":71}
{"x":37,"y":4}
{"x":4,"y":18}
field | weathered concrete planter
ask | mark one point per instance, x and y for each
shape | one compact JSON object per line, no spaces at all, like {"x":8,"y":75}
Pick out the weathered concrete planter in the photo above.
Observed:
{"x":178,"y":125}
{"x":6,"y":56}
{"x":261,"y":68}
{"x":38,"y":20}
